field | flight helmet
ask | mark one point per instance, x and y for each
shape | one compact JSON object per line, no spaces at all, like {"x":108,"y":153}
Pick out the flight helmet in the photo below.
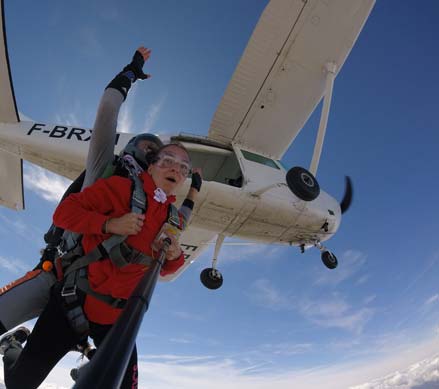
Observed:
{"x":143,"y":153}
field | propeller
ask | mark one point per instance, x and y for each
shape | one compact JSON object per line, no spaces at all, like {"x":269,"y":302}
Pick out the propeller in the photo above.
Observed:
{"x":347,"y":198}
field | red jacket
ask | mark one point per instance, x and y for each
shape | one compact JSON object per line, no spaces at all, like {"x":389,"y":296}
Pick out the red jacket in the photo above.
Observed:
{"x":86,"y":212}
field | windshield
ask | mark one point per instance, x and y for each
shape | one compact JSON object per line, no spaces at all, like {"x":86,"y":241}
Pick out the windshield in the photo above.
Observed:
{"x":259,"y":159}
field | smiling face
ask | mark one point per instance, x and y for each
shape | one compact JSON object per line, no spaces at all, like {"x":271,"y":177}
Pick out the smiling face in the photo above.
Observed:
{"x":171,"y":168}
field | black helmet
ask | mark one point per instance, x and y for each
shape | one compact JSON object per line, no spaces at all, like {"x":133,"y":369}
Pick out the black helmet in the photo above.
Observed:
{"x":140,"y":155}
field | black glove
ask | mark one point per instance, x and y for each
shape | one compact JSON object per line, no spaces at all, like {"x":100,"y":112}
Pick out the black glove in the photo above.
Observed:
{"x":130,"y":73}
{"x":134,"y":70}
{"x":50,"y":253}
{"x":196,"y":181}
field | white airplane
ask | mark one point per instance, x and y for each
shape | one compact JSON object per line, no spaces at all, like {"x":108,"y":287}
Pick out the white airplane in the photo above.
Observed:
{"x":290,"y":63}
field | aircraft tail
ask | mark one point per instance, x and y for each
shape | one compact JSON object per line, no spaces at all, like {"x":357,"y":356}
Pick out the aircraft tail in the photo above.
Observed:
{"x":11,"y":181}
{"x":11,"y":166}
{"x":8,"y":107}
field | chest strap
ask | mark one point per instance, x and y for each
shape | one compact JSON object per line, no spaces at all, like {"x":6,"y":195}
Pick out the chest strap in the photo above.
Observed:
{"x":120,"y":255}
{"x":79,"y":280}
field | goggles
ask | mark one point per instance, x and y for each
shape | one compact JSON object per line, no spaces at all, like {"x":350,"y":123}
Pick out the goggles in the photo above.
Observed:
{"x":169,"y":161}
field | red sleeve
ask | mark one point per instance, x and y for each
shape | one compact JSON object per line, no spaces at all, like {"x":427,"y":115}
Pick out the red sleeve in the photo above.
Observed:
{"x":86,"y":212}
{"x":170,"y":267}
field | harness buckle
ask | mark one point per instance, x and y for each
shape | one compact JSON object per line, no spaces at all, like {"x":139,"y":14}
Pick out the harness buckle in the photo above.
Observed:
{"x":68,"y":291}
{"x":118,"y":303}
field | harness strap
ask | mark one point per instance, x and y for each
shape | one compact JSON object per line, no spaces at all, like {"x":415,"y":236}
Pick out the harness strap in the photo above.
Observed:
{"x":62,"y":264}
{"x":134,"y":256}
{"x":73,"y":307}
{"x":83,"y":261}
{"x":83,"y":284}
{"x":139,"y":201}
{"x":110,"y":248}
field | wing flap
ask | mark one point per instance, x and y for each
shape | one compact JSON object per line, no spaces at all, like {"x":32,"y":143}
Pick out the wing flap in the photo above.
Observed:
{"x":280,"y":79}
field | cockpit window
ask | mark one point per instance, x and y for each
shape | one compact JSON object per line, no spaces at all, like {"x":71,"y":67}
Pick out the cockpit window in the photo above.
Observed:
{"x":259,"y":159}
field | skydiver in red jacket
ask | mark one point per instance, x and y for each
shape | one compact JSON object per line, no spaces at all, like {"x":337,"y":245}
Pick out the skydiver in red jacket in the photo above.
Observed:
{"x":98,"y":212}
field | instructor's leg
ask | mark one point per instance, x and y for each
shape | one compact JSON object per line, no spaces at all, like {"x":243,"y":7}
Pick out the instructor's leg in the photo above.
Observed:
{"x":49,"y":341}
{"x":25,"y":298}
{"x":3,"y":329}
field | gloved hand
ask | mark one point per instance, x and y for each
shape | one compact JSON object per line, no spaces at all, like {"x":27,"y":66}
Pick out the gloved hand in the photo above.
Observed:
{"x":49,"y":253}
{"x":196,"y":181}
{"x":134,"y":70}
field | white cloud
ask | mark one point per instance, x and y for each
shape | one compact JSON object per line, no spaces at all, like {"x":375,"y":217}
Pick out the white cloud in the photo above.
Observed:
{"x":188,"y":315}
{"x":19,"y":227}
{"x":432,"y":299}
{"x":424,"y":374}
{"x":432,"y":262}
{"x":152,"y":114}
{"x":180,"y":340}
{"x":90,"y":44}
{"x":13,"y":265}
{"x":369,"y":299}
{"x":205,"y":371}
{"x":333,"y":312}
{"x":264,"y":293}
{"x":47,"y":185}
{"x":176,"y":359}
{"x":287,"y":349}
{"x":363,"y":279}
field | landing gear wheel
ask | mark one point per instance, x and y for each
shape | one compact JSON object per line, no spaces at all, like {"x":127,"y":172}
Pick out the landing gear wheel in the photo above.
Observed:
{"x":211,"y":278}
{"x":302,"y":183}
{"x":329,"y":259}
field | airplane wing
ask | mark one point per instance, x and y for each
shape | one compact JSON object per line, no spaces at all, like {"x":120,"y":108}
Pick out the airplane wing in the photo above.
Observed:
{"x":280,"y":78}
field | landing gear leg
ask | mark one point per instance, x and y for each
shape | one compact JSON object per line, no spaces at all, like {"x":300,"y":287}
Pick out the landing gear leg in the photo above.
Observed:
{"x":328,"y":258}
{"x":210,"y":277}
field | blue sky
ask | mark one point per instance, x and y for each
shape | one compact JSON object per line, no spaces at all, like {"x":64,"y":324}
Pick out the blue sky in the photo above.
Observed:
{"x":281,"y":319}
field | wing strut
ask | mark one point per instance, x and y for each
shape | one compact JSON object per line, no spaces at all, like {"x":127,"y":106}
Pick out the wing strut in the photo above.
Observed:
{"x":330,"y":68}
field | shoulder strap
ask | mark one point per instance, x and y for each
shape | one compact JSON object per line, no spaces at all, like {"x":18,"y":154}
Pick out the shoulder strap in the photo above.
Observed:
{"x":139,"y":201}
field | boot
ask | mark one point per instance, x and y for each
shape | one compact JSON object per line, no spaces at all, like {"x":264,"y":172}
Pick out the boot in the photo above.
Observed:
{"x":18,"y":335}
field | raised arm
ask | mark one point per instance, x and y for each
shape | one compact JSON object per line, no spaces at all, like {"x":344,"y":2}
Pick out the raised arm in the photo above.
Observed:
{"x":101,"y":149}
